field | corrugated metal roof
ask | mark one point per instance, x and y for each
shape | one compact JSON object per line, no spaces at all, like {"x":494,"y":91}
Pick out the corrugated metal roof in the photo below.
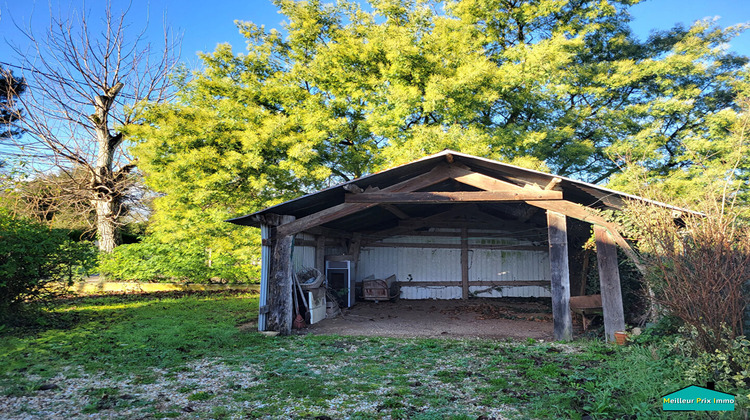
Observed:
{"x":375,"y":217}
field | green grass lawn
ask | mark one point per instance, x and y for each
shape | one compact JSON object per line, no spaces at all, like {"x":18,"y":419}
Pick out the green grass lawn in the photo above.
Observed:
{"x":191,"y":355}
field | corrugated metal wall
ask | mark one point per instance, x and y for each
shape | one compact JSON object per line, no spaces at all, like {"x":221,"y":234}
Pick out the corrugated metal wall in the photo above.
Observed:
{"x":414,"y":265}
{"x":303,"y":256}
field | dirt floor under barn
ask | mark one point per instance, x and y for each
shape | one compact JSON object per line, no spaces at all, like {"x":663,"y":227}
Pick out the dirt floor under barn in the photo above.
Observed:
{"x":515,"y":318}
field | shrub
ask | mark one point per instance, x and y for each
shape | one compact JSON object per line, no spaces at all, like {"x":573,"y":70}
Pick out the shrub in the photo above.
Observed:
{"x":32,"y":255}
{"x":697,"y":266}
{"x":728,"y":368}
{"x":152,"y":260}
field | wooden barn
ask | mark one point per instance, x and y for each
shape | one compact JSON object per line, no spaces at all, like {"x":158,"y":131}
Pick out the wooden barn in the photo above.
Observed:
{"x":448,"y":226}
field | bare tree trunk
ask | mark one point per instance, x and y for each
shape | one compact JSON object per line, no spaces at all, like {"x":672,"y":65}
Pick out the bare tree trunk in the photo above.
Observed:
{"x":76,"y":68}
{"x":106,"y":194}
{"x":106,"y":225}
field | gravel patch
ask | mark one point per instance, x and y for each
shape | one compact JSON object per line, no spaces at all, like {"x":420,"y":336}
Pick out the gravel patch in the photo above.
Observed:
{"x":82,"y":395}
{"x":195,"y":391}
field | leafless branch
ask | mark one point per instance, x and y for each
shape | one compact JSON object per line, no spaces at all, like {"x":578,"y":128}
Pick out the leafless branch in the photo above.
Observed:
{"x":86,"y":81}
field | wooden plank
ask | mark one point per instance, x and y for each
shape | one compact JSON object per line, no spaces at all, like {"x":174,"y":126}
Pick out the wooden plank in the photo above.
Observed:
{"x":473,"y":233}
{"x":464,"y":263}
{"x":584,"y":272}
{"x":279,"y":299}
{"x":553,"y":183}
{"x":354,"y":248}
{"x":560,"y":285}
{"x":353,"y":188}
{"x":484,"y":182}
{"x":329,"y":233}
{"x":451,"y":246}
{"x":396,"y":211}
{"x":436,"y":175}
{"x":515,"y":283}
{"x":320,"y":253}
{"x":580,"y":212}
{"x":436,"y":197}
{"x":609,"y":280}
{"x":471,"y":225}
{"x":304,"y":242}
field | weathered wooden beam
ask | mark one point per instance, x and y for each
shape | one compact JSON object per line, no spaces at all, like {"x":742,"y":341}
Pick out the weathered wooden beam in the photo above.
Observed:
{"x":481,"y":181}
{"x":560,"y":287}
{"x":476,"y":233}
{"x":482,"y":283}
{"x":329,"y":233}
{"x":353,"y":188}
{"x":553,"y":183}
{"x":580,"y":212}
{"x":473,"y":225}
{"x":452,"y":246}
{"x":436,"y":175}
{"x":435,"y":197}
{"x":303,"y":242}
{"x":279,"y":300}
{"x":354,"y":247}
{"x":609,"y":281}
{"x":320,"y":253}
{"x":584,"y":272}
{"x":464,"y":263}
{"x":396,"y":211}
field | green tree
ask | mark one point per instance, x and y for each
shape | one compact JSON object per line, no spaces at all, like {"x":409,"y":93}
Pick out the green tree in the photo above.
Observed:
{"x":710,"y":164}
{"x":346,"y":90}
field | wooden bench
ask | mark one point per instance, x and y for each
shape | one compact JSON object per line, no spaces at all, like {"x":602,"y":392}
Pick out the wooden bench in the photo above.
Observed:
{"x":588,"y":305}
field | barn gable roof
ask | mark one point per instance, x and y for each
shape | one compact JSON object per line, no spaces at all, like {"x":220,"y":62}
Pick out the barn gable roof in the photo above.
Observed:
{"x":585,"y":194}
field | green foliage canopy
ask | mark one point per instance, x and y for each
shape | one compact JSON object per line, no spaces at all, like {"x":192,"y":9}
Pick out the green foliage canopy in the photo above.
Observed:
{"x":346,"y":89}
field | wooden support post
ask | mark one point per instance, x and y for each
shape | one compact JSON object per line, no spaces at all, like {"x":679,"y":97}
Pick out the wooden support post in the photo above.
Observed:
{"x":585,"y":272}
{"x":279,"y":317}
{"x":558,"y":262}
{"x":609,"y":281}
{"x":354,"y":248}
{"x":464,"y":263}
{"x":320,"y":253}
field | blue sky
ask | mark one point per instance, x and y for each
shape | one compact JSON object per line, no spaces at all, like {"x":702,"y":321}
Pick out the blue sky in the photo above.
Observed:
{"x":205,"y":24}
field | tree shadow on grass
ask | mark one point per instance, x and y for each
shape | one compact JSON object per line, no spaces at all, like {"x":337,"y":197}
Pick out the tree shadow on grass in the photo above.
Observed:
{"x":123,"y":334}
